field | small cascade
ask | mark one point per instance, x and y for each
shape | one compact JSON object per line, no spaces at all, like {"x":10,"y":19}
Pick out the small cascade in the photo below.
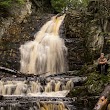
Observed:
{"x":35,"y":106}
{"x":53,"y":106}
{"x":35,"y":88}
{"x":38,"y":93}
{"x":46,"y":54}
{"x":45,"y":59}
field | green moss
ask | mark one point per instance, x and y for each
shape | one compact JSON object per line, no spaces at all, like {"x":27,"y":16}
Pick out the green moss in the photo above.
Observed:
{"x":83,"y":70}
{"x":96,"y":82}
{"x":79,"y":91}
{"x":86,"y":69}
{"x":8,"y":3}
{"x":60,"y":5}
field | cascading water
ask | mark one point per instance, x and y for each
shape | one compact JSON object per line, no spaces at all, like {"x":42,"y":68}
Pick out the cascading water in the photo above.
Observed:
{"x":35,"y":106}
{"x":34,"y":88}
{"x":45,"y":94}
{"x":46,"y":54}
{"x":20,"y":93}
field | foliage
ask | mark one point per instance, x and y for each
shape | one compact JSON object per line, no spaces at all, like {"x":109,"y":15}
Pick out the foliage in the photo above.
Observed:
{"x":59,"y":5}
{"x":7,"y":3}
{"x":5,"y":6}
{"x":100,"y":9}
{"x":62,"y":5}
{"x":96,"y":82}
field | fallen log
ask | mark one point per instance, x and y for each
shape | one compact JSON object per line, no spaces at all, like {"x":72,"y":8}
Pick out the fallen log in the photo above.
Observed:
{"x":18,"y":73}
{"x":4,"y":69}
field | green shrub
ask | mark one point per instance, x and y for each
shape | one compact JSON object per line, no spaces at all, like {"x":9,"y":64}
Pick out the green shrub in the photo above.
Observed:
{"x":60,"y":5}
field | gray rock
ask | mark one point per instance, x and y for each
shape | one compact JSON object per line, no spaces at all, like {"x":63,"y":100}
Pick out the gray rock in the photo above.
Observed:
{"x":21,"y":12}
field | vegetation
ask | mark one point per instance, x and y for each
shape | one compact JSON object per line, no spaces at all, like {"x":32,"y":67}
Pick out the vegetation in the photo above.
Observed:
{"x":5,"y":6}
{"x":62,"y":5}
{"x":7,"y":3}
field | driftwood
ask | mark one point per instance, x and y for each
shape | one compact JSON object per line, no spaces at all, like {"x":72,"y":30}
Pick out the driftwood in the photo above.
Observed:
{"x":18,"y":73}
{"x":8,"y":70}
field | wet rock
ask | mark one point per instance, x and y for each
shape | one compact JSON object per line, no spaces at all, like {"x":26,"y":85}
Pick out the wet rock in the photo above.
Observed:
{"x":78,"y":91}
{"x":83,"y":39}
{"x":4,"y":25}
{"x":74,"y":40}
{"x":16,"y":30}
{"x":96,"y":82}
{"x":1,"y":97}
{"x":19,"y":13}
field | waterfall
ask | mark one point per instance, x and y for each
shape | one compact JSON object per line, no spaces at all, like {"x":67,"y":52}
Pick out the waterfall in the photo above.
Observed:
{"x":54,"y":106}
{"x":46,"y":54}
{"x":36,"y":106}
{"x":35,"y":88}
{"x":38,"y":93}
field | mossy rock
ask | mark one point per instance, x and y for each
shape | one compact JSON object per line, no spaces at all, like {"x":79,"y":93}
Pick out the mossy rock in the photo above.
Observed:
{"x":78,"y":91}
{"x":87,"y":69}
{"x":96,"y":82}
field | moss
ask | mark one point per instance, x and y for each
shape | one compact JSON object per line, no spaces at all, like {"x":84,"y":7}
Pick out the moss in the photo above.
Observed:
{"x":94,"y":85}
{"x":96,"y":82}
{"x":5,"y":6}
{"x":86,"y":69}
{"x":78,"y":91}
{"x":83,"y":70}
{"x":60,"y":5}
{"x":8,"y":3}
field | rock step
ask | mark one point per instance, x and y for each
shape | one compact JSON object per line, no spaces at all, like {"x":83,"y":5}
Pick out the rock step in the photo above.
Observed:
{"x":25,"y":101}
{"x":28,"y":102}
{"x":30,"y":98}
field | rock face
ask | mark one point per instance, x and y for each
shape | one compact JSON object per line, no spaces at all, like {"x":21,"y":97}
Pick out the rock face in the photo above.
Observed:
{"x":82,"y":34}
{"x":74,"y":40}
{"x":10,"y":29}
{"x":83,"y":39}
{"x":17,"y":14}
{"x":18,"y":29}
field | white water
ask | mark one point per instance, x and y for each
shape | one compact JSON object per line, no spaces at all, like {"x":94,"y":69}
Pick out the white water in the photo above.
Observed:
{"x":34,"y":88}
{"x":61,"y":94}
{"x":43,"y":105}
{"x":46,"y":54}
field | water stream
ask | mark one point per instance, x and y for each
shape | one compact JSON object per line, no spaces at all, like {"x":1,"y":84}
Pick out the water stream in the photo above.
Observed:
{"x":34,"y":94}
{"x":46,"y":56}
{"x":34,"y":88}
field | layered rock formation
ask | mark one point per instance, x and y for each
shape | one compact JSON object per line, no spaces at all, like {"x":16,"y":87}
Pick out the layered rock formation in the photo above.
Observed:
{"x":82,"y":34}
